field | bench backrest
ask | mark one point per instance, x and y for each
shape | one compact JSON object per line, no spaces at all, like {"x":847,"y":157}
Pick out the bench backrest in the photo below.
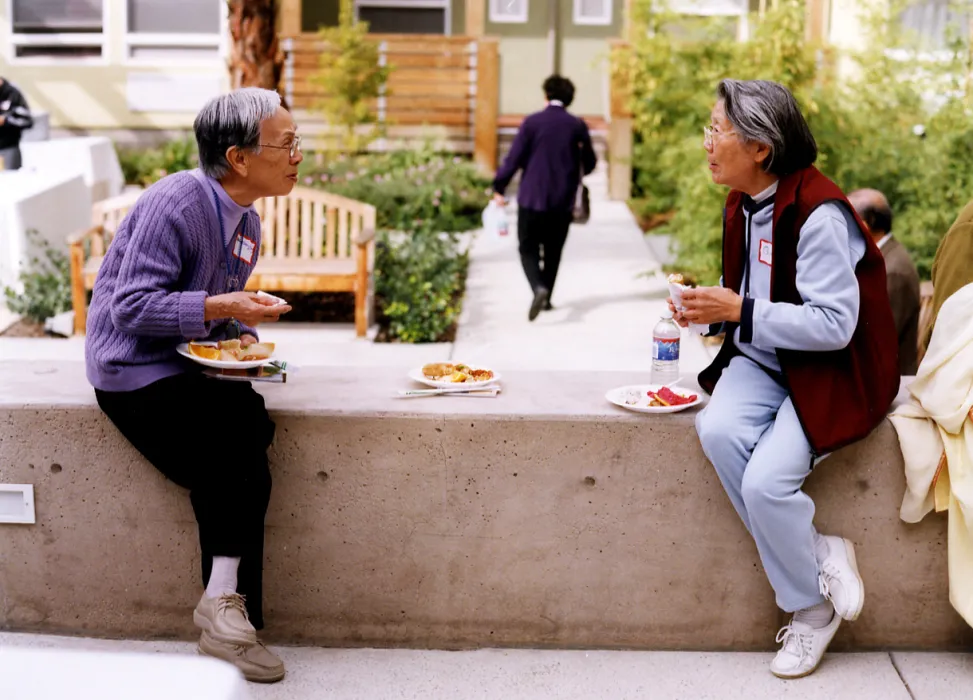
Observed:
{"x":305,"y":224}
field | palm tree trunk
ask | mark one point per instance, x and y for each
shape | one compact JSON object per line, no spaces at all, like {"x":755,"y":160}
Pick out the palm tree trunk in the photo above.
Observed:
{"x":255,"y":59}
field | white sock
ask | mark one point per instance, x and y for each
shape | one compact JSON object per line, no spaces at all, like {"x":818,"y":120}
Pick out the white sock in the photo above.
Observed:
{"x":223,"y":578}
{"x":818,"y":616}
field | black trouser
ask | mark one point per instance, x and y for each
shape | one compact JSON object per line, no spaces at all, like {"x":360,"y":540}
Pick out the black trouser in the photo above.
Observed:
{"x":211,"y":437}
{"x":542,"y":235}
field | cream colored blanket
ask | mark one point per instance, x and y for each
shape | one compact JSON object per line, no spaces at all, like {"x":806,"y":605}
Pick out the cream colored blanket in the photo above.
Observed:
{"x":935,"y":430}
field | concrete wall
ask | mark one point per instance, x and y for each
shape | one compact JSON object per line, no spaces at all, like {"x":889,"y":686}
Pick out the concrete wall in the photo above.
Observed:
{"x":546,"y":517}
{"x":95,"y":95}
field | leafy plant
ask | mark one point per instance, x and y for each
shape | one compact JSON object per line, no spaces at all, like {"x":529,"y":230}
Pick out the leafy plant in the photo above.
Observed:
{"x":419,"y":281}
{"x":864,"y":121}
{"x":411,"y":189}
{"x":144,"y":166}
{"x":352,"y":78}
{"x":47,"y":284}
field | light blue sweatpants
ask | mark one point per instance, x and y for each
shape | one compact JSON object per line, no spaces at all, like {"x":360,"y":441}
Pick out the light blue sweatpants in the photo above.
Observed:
{"x":750,"y":432}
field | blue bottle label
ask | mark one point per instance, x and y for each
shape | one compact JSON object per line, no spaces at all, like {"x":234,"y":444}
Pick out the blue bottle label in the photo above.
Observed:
{"x":665,"y":349}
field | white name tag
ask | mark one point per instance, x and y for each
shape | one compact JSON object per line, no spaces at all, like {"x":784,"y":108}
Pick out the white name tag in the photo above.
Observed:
{"x":245,"y":248}
{"x":766,"y":253}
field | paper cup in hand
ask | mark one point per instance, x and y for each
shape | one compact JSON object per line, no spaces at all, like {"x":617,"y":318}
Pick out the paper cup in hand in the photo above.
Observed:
{"x":675,"y":292}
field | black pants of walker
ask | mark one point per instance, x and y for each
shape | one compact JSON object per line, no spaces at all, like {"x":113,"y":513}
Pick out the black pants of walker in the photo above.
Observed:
{"x":542,"y":235}
{"x":209,"y":436}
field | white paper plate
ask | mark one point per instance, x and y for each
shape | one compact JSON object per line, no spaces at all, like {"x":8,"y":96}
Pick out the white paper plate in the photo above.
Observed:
{"x":416,"y":375}
{"x":183,"y":350}
{"x":639,"y":395}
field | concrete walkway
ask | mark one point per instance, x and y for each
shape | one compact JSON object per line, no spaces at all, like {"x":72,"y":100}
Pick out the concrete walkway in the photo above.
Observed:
{"x":523,"y":674}
{"x":608,"y":297}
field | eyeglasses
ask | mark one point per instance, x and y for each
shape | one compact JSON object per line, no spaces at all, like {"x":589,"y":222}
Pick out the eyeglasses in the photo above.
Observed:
{"x":294,"y":147}
{"x":710,"y":135}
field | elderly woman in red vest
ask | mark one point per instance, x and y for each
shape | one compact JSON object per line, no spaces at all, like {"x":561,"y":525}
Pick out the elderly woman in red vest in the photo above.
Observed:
{"x":808,"y":363}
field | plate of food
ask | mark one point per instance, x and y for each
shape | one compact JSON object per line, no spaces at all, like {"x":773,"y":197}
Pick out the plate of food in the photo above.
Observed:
{"x":228,"y":354}
{"x":653,"y":398}
{"x":447,"y":374}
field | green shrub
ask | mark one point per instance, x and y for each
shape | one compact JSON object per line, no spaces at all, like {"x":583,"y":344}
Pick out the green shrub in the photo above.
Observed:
{"x":418,"y":282}
{"x":411,"y":190}
{"x":144,"y":166}
{"x":863,"y":124}
{"x":47,"y":284}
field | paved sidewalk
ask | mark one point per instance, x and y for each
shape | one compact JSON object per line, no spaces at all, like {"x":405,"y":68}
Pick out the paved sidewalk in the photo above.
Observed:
{"x":608,"y":297}
{"x":524,"y":674}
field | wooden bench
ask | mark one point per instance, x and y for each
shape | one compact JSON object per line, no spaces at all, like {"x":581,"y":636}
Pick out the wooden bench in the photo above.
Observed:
{"x":312,"y":241}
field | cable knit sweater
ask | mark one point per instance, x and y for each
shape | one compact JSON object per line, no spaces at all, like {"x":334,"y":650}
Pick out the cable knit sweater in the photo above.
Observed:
{"x":149,"y":296}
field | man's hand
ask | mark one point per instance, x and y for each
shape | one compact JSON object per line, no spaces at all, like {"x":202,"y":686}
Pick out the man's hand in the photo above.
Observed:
{"x":707,"y":305}
{"x":499,"y":199}
{"x":677,"y":314}
{"x":245,"y":307}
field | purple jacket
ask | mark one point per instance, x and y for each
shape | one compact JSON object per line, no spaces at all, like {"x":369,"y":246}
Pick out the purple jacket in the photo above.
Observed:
{"x":165,"y":260}
{"x":551,"y":147}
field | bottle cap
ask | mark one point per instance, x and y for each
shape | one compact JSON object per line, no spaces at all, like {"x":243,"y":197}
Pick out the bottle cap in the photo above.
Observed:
{"x":667,"y":313}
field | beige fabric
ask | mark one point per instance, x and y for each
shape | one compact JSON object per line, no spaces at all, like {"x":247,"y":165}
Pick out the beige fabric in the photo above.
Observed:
{"x":935,"y":430}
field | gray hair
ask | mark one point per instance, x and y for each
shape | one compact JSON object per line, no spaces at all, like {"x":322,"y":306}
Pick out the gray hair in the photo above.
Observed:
{"x":229,"y":120}
{"x":766,"y":112}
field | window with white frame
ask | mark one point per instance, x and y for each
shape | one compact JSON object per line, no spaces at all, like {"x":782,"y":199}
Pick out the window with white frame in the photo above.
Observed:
{"x":508,"y":11}
{"x":58,"y":29}
{"x":935,"y":23}
{"x":405,"y":16}
{"x":173,"y":30}
{"x":598,"y":12}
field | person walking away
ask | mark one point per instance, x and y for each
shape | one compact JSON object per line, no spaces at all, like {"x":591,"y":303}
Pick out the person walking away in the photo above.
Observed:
{"x":552,"y":148}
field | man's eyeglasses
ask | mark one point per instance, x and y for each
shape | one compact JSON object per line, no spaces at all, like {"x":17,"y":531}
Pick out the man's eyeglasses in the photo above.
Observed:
{"x":294,"y":147}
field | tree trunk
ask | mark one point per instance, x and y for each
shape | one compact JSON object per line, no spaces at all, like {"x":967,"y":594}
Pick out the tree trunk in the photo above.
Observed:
{"x":256,"y":59}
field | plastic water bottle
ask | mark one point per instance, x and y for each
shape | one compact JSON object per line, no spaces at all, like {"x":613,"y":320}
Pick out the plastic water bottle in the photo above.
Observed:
{"x":665,"y":350}
{"x":503,"y":226}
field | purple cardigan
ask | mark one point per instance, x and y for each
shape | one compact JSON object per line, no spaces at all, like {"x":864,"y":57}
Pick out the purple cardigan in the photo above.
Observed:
{"x":164,"y":261}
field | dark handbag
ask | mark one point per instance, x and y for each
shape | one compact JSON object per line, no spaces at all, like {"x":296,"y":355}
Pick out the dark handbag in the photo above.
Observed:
{"x":581,"y":211}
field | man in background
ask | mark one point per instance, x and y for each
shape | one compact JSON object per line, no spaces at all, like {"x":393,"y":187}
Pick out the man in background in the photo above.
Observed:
{"x":552,"y":147}
{"x":902,"y":277}
{"x":14,"y":119}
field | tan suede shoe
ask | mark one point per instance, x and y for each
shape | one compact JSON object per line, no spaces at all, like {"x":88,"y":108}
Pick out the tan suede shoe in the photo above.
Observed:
{"x":257,"y":663}
{"x":225,"y":619}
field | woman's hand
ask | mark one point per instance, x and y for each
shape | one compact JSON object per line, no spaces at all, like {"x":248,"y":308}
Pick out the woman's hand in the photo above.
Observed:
{"x":677,"y":315}
{"x":246,"y":340}
{"x":707,"y":305}
{"x":500,"y":200}
{"x":245,"y":307}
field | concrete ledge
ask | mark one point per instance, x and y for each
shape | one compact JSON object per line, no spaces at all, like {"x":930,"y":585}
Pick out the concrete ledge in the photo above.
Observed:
{"x":545,"y":517}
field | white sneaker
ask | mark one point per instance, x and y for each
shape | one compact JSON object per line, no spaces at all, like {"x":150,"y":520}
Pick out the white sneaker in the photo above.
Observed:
{"x":803,"y":648}
{"x":838,"y":575}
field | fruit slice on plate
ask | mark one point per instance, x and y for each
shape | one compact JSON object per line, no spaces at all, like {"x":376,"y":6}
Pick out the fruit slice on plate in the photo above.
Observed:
{"x":256,"y":351}
{"x":206,"y":352}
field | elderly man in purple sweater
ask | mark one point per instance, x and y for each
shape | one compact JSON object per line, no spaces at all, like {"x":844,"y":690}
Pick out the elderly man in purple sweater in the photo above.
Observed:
{"x":175,"y":272}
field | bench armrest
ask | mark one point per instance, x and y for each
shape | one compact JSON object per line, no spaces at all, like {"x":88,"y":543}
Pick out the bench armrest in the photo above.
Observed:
{"x":365,"y":236}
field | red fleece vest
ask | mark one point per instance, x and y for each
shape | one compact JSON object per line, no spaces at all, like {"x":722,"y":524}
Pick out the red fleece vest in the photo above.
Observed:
{"x":842,"y":395}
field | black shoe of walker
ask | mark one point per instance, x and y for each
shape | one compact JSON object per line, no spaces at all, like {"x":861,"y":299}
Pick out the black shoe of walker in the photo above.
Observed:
{"x":540,"y":298}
